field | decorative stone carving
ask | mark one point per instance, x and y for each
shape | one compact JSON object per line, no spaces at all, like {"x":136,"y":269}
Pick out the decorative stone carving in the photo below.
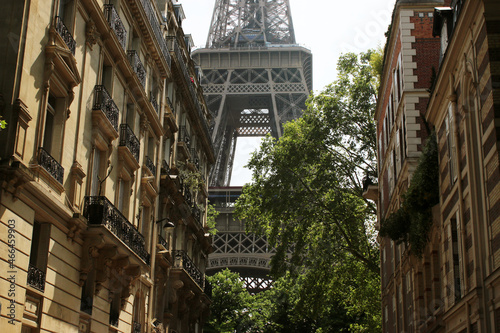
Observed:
{"x":91,"y":34}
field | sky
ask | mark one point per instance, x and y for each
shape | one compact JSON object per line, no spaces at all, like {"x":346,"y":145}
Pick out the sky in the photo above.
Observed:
{"x":327,"y":27}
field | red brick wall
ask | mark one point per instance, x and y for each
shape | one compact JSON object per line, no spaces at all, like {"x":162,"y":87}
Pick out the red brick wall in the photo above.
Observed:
{"x":427,"y":47}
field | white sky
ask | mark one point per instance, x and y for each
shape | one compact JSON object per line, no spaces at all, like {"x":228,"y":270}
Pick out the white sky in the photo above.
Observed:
{"x":327,"y":27}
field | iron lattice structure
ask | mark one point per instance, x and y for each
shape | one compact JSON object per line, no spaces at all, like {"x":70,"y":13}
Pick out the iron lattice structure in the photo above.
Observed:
{"x":246,"y":22}
{"x":247,"y":254}
{"x":255,"y":78}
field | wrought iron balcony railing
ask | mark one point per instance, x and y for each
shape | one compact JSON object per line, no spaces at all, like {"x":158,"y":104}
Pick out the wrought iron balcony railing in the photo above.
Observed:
{"x":153,"y":101}
{"x":170,"y":105}
{"x":184,"y":136}
{"x":150,"y":165}
{"x":180,"y":60}
{"x":197,"y":214}
{"x":136,"y":327}
{"x":104,"y":102}
{"x":116,"y":24}
{"x":162,"y":242}
{"x":129,"y":140}
{"x":155,"y":24}
{"x":175,"y":47}
{"x":137,"y":66}
{"x":67,"y":37}
{"x":187,"y":195}
{"x":194,"y":158}
{"x":46,"y":161}
{"x":165,"y":168}
{"x":100,"y":211}
{"x":182,"y":260}
{"x":36,"y":278}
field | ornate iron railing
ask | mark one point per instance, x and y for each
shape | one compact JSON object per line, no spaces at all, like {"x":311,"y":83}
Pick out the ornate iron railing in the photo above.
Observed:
{"x":100,"y":211}
{"x":165,"y":168}
{"x":154,"y":102}
{"x":116,"y":24}
{"x":137,"y":66}
{"x":162,"y":242}
{"x":136,"y":327}
{"x":170,"y":105}
{"x":194,"y":158}
{"x":178,"y":54}
{"x":197,"y":215}
{"x":129,"y":140}
{"x":150,"y":165}
{"x":36,"y":278}
{"x":104,"y":102}
{"x":184,"y":136}
{"x":155,"y":24}
{"x":67,"y":37}
{"x":46,"y":161}
{"x":182,"y":260}
{"x":180,"y":60}
{"x":187,"y":195}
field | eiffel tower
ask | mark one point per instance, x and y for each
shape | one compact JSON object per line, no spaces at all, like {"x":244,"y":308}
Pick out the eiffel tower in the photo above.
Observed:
{"x":255,"y":78}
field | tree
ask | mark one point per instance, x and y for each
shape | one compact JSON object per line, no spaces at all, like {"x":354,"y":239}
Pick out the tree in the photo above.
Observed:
{"x":230,"y":300}
{"x":306,"y":197}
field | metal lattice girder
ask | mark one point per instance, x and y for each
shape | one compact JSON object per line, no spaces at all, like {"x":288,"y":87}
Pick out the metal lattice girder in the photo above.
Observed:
{"x":277,"y":79}
{"x":250,"y":22}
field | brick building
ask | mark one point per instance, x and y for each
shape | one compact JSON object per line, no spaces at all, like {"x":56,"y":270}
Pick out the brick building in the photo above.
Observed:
{"x":102,"y":169}
{"x":454,"y":286}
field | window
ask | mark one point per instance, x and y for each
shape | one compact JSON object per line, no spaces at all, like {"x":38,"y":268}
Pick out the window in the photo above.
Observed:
{"x":97,"y":172}
{"x":38,"y":255}
{"x":65,"y":11}
{"x":457,"y":257}
{"x":123,"y":196}
{"x":450,"y":142}
{"x":54,"y":127}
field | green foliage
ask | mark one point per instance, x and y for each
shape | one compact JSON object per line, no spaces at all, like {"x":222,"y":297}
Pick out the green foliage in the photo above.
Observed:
{"x":212,"y":214}
{"x":306,"y":197}
{"x":377,"y":64}
{"x":412,"y":222}
{"x":229,"y":301}
{"x":3,"y":124}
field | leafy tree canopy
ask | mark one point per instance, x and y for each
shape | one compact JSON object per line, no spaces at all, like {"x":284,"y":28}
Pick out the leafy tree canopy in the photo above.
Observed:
{"x":306,"y":196}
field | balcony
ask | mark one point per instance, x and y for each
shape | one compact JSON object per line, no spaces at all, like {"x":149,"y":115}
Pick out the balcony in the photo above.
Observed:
{"x":179,"y":59}
{"x":130,"y":141}
{"x":197,"y":215}
{"x":116,"y":24}
{"x":99,"y":211}
{"x":165,"y":168}
{"x":184,"y":137}
{"x":182,"y":261}
{"x":187,"y":196}
{"x":50,"y":165}
{"x":66,"y":36}
{"x":162,"y":242}
{"x":170,"y":105}
{"x":150,"y":165}
{"x":155,"y":25}
{"x":194,"y":158}
{"x":136,"y":327}
{"x":104,"y":103}
{"x":153,"y":101}
{"x":36,"y":278}
{"x":137,"y":66}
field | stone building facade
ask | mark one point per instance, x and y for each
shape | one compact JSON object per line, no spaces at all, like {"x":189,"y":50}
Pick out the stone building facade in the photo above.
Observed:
{"x":103,"y":169}
{"x":455,"y":285}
